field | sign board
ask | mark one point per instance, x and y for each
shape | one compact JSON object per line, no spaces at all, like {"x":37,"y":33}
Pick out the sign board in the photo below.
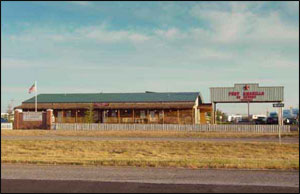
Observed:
{"x":32,"y":116}
{"x":278,"y":105}
{"x":100,"y":104}
{"x":248,"y":92}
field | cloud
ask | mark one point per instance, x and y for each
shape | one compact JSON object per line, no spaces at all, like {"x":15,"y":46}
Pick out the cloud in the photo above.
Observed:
{"x":239,"y":23}
{"x":98,"y":33}
{"x":82,"y":3}
{"x":101,"y":34}
{"x":171,"y":33}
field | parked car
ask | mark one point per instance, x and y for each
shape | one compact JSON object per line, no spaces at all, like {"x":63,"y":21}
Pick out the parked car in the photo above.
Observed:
{"x":290,"y":121}
{"x":3,"y":120}
{"x":272,"y":120}
{"x":246,"y":121}
{"x":260,"y":120}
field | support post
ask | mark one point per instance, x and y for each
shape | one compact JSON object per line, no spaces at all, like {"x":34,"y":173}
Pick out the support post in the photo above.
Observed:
{"x":193,"y":119}
{"x":119,"y":120}
{"x":62,"y":116}
{"x":16,"y":119}
{"x":99,"y":116}
{"x":133,"y":115}
{"x":76,"y":112}
{"x":213,"y":115}
{"x":248,"y":111}
{"x":49,"y":114}
{"x":35,"y":85}
{"x":281,"y":116}
{"x":103,"y":116}
{"x":163,"y":113}
{"x":178,"y":119}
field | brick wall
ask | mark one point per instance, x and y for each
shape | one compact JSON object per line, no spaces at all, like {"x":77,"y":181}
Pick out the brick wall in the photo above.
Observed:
{"x":45,"y":123}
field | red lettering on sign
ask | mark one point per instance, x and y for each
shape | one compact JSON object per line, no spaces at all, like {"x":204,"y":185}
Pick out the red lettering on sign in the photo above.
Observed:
{"x":247,"y":96}
{"x":100,"y":104}
{"x":234,"y":93}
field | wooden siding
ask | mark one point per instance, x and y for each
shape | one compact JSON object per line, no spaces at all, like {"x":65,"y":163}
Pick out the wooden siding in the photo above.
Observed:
{"x":144,"y":113}
{"x":158,"y":105}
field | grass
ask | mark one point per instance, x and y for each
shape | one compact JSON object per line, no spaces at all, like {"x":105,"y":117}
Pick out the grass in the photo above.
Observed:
{"x":153,"y":154}
{"x":181,"y":134}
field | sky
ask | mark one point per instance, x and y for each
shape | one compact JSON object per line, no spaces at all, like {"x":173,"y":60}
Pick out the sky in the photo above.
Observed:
{"x":82,"y":46}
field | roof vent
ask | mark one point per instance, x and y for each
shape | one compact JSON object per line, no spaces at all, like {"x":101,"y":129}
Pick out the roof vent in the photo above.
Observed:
{"x":149,"y":92}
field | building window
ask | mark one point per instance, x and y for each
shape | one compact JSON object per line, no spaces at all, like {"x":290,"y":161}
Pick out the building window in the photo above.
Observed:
{"x":126,"y":113}
{"x":161,"y":114}
{"x":68,"y":113}
{"x":152,"y":114}
{"x":142,"y":114}
{"x":112,"y":113}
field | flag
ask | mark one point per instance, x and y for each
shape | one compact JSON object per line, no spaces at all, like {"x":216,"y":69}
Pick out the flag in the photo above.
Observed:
{"x":32,"y":89}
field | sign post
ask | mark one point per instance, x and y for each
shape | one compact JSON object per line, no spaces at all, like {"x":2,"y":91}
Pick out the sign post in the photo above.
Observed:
{"x":280,"y":120}
{"x":280,"y":116}
{"x":279,"y":105}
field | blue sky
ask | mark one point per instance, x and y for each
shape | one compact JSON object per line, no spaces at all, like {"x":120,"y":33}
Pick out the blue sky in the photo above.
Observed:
{"x":155,"y":46}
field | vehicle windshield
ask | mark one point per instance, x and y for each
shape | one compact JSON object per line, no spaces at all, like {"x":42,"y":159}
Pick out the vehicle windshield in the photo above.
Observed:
{"x":274,"y":114}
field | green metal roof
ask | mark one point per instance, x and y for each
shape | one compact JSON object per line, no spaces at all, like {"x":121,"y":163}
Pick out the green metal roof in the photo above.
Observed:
{"x":116,"y":97}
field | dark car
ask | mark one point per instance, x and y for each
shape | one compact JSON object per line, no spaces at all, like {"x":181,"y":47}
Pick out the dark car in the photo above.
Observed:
{"x":246,"y":121}
{"x":290,"y":121}
{"x":260,"y":121}
{"x":272,"y":120}
{"x":3,"y":120}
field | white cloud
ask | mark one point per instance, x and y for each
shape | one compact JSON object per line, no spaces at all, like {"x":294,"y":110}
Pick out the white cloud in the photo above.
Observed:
{"x":104,"y":35}
{"x":82,"y":3}
{"x":240,"y":24}
{"x":169,"y":33}
{"x":13,"y":63}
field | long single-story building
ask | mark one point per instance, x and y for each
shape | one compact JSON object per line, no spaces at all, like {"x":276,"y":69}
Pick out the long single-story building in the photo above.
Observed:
{"x":148,"y":107}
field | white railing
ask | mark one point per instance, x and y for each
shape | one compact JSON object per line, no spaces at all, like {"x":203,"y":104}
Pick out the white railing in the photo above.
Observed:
{"x":6,"y":126}
{"x":172,"y":127}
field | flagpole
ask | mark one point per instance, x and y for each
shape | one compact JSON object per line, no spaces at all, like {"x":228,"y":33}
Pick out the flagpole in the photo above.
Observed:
{"x":35,"y":96}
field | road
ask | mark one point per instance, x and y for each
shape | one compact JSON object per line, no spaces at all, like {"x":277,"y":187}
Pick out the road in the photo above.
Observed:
{"x":45,"y":178}
{"x":81,"y":138}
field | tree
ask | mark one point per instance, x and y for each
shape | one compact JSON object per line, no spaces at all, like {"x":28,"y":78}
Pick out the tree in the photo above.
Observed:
{"x":10,"y":111}
{"x":221,"y":116}
{"x":89,"y":115}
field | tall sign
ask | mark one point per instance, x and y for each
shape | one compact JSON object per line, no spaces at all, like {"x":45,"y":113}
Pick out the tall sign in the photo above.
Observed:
{"x":244,"y":93}
{"x":249,"y":92}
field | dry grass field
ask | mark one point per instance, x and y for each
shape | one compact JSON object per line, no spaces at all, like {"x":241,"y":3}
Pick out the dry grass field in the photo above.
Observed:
{"x":154,"y":134}
{"x":152,"y":154}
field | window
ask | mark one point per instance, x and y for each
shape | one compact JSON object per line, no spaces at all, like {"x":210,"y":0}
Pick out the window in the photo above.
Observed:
{"x":68,"y":113}
{"x":152,"y":114}
{"x":142,"y":114}
{"x":126,"y":113}
{"x":114,"y":113}
{"x":161,"y":114}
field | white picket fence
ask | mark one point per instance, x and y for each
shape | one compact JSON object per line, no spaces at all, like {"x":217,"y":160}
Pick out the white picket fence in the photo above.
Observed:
{"x":172,"y":127}
{"x":6,"y":126}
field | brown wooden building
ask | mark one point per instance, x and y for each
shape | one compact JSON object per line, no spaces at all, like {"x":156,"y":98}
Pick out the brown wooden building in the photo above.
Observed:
{"x":148,"y":107}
